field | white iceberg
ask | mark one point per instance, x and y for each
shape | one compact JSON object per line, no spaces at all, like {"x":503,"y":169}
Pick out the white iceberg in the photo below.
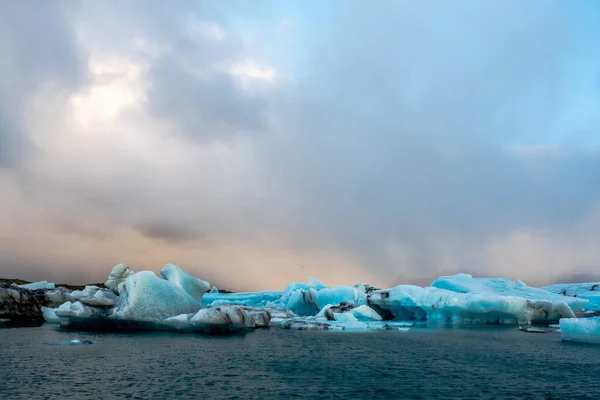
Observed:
{"x":584,"y":330}
{"x":78,"y":310}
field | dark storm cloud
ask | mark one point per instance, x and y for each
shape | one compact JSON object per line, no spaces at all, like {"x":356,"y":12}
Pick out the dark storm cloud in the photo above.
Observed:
{"x":175,"y":233}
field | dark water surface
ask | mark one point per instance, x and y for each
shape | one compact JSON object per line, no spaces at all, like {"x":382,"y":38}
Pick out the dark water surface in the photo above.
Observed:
{"x":420,"y":364}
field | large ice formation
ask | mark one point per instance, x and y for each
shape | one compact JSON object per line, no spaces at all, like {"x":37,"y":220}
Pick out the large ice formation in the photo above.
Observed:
{"x":585,"y":330}
{"x":465,"y":283}
{"x":146,"y":297}
{"x":441,"y":306}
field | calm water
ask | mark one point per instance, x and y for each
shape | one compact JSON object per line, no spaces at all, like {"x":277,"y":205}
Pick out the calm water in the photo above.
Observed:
{"x":424,"y":364}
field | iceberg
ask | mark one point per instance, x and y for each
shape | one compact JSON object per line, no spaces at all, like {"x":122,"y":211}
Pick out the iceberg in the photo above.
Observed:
{"x":465,"y":283}
{"x":38,"y":285}
{"x":584,"y":330}
{"x":441,"y":306}
{"x":146,"y":297}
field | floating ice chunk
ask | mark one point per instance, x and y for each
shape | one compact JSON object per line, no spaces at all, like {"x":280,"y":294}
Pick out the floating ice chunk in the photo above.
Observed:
{"x":214,"y":290}
{"x":146,"y":297}
{"x":465,"y":283}
{"x":118,"y":276}
{"x":77,"y":309}
{"x":38,"y":285}
{"x":50,"y":315}
{"x":195,"y":287}
{"x":72,"y":342}
{"x":233,"y":315}
{"x":304,"y":325}
{"x":585,"y":330}
{"x":435,"y":305}
{"x":95,"y":296}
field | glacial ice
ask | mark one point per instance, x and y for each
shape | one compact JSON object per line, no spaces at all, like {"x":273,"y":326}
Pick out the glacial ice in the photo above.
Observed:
{"x":118,"y":276}
{"x":95,"y":296}
{"x":584,"y":330}
{"x":459,"y":299}
{"x":441,"y":306}
{"x":50,"y":314}
{"x":587,"y":291}
{"x":309,"y":299}
{"x":256,"y":299}
{"x":146,"y":297}
{"x":76,"y":309}
{"x":38,"y":285}
{"x":465,"y":283}
{"x":193,"y":286}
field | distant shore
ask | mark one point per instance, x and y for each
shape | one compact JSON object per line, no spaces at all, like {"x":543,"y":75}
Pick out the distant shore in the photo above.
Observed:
{"x":18,"y":281}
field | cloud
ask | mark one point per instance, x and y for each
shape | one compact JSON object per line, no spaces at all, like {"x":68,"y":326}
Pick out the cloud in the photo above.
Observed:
{"x":387,"y":143}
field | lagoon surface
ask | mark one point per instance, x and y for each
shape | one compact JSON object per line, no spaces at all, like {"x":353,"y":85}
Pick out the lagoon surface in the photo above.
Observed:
{"x":423,"y":363}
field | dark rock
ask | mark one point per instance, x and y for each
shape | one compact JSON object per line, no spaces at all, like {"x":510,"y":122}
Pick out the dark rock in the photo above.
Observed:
{"x":340,"y":308}
{"x":19,"y":305}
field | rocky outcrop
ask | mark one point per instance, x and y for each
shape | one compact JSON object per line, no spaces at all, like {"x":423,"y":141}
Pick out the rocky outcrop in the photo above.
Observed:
{"x":19,"y":305}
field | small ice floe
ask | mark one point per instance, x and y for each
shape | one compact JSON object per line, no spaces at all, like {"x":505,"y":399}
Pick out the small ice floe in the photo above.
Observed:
{"x":72,"y":342}
{"x":533,"y":329}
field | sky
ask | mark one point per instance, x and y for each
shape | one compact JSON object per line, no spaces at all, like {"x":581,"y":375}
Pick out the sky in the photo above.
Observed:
{"x":258,"y":143}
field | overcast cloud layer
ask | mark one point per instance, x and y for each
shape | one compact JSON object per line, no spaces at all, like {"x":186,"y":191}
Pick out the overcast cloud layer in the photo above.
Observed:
{"x":258,"y":143}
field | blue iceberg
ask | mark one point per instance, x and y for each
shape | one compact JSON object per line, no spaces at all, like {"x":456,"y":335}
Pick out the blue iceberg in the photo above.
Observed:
{"x":583,"y":330}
